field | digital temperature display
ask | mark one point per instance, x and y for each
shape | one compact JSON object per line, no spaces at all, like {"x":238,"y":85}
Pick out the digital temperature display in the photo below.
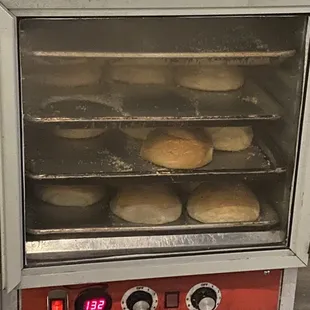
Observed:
{"x":95,"y":298}
{"x":94,"y":304}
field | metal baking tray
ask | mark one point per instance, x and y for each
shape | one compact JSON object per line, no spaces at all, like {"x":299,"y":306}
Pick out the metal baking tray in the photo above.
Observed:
{"x":110,"y":104}
{"x":114,"y":155}
{"x":237,"y":40}
{"x":46,"y":219}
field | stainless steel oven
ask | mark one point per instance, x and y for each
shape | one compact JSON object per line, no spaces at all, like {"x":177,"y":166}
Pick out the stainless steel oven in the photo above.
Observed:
{"x":157,"y":140}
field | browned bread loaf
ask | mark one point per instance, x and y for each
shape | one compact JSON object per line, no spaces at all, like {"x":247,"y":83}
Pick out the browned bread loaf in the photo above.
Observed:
{"x":177,"y":148}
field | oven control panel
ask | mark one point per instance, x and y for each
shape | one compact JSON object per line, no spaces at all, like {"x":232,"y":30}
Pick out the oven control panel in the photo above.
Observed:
{"x":236,"y":291}
{"x":139,"y":298}
{"x":203,"y":296}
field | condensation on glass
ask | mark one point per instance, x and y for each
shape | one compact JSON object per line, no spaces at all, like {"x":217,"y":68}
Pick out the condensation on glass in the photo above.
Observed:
{"x":166,"y":134}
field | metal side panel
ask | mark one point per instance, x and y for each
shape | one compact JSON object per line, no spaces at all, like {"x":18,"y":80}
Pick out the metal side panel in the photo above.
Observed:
{"x":10,"y":166}
{"x":300,"y":232}
{"x":288,"y":288}
{"x":10,"y":301}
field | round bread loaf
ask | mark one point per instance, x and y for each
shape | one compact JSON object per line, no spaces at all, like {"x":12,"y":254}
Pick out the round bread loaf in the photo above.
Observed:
{"x":71,"y":75}
{"x":70,"y":196}
{"x":230,"y":138}
{"x":141,"y":74}
{"x":147,"y":204}
{"x":177,"y":148}
{"x":81,"y":133}
{"x":137,"y":133}
{"x":210,"y":78}
{"x":219,"y":203}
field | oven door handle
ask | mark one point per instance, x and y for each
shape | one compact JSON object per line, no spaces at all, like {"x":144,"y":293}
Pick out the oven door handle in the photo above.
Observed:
{"x":10,"y":159}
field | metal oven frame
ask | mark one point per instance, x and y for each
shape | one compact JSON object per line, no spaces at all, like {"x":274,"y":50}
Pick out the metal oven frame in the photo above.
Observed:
{"x":14,"y":275}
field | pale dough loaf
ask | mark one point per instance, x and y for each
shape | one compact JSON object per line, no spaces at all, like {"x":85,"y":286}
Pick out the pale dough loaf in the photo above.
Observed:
{"x":137,"y":133}
{"x":71,"y":75}
{"x":210,"y":78}
{"x":81,"y":133}
{"x":141,"y":74}
{"x":223,"y":202}
{"x":177,"y":148}
{"x":230,"y":138}
{"x":70,"y":196}
{"x":147,"y":204}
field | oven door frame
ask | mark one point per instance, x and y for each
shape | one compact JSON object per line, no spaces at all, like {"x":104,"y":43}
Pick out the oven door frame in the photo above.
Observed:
{"x":12,"y":239}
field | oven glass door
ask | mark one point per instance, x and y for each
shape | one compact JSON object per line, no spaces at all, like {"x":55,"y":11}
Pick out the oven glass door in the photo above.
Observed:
{"x":158,"y":135}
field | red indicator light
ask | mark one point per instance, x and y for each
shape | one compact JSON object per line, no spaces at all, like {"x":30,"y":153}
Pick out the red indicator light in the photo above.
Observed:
{"x":94,"y":304}
{"x":57,"y":305}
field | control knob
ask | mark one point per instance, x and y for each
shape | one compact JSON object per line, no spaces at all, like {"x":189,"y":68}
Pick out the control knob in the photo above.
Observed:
{"x":203,"y":296}
{"x":139,"y":298}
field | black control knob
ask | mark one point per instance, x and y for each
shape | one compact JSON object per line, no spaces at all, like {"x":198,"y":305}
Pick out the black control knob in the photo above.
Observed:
{"x":139,"y":300}
{"x":204,"y":298}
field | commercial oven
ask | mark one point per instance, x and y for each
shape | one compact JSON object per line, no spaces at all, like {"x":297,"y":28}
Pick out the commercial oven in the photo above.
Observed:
{"x":153,"y":154}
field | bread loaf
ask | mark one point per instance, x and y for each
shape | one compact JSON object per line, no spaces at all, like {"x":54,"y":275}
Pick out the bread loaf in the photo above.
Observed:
{"x":137,"y":133}
{"x":210,"y":78}
{"x":141,"y":74}
{"x":146,"y":204}
{"x":230,"y":138}
{"x":70,"y":75}
{"x":177,"y":148}
{"x":223,"y":202}
{"x":81,"y":133}
{"x":70,"y":195}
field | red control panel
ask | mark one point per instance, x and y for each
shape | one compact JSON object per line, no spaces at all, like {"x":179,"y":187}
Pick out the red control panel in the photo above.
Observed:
{"x":234,"y":291}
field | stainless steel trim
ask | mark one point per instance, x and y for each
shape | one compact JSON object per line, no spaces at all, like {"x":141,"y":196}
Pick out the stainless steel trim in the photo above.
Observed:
{"x":97,"y":247}
{"x":300,"y":234}
{"x":10,"y":159}
{"x":157,"y":12}
{"x":160,"y":5}
{"x":289,"y":281}
{"x":163,"y":267}
{"x":10,"y":301}
{"x":277,"y":54}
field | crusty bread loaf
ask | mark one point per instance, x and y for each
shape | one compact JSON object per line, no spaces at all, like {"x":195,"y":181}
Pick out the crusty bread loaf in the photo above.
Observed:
{"x":230,"y":138}
{"x":70,"y":195}
{"x":141,"y":74}
{"x":137,"y":133}
{"x":81,"y":133}
{"x":147,"y":204}
{"x":210,"y":78}
{"x":223,"y":202}
{"x":177,"y":148}
{"x":70,"y":75}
